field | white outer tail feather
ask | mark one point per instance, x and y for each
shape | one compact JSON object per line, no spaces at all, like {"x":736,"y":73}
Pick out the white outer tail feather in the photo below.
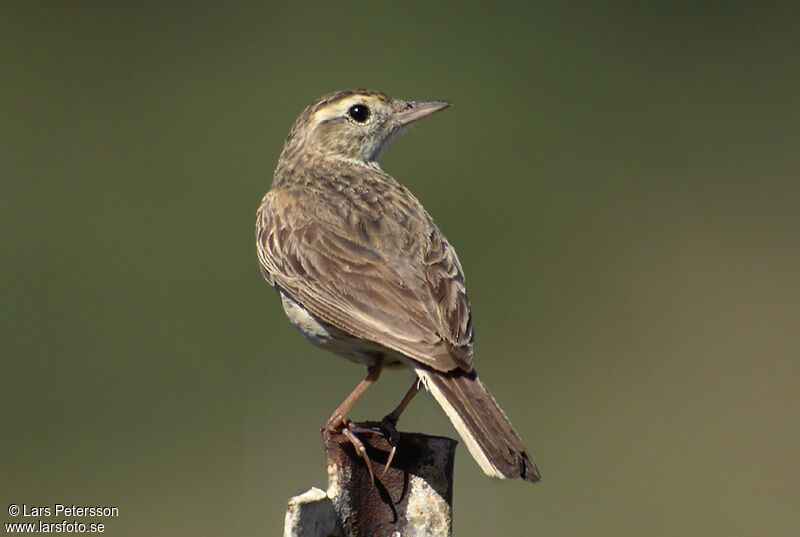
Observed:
{"x":465,"y":434}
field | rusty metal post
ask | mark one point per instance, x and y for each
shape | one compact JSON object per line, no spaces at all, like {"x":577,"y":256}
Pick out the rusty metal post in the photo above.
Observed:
{"x":413,"y":498}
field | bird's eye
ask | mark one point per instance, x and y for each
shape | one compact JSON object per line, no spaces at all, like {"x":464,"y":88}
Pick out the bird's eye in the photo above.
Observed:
{"x":359,"y":112}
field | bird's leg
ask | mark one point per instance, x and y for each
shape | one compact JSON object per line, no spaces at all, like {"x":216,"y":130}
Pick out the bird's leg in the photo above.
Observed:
{"x":394,"y":415}
{"x":338,"y":422}
{"x":388,"y":425}
{"x":338,"y":419}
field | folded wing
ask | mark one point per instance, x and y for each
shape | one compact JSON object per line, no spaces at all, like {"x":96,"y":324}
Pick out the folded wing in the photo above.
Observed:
{"x":419,"y":309}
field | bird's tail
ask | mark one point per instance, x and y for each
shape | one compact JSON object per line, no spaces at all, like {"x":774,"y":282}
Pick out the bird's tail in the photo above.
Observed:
{"x":482,"y":424}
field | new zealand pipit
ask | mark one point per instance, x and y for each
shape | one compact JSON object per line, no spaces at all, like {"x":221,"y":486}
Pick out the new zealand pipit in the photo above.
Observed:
{"x":362,"y":270}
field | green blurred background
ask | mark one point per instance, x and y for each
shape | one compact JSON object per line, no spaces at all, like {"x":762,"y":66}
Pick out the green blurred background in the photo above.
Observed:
{"x":621,"y":181}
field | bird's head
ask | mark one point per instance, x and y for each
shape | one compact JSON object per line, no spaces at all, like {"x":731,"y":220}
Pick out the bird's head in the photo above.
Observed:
{"x":355,"y":125}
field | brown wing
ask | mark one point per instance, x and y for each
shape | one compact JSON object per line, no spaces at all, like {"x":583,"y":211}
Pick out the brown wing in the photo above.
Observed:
{"x":419,"y":309}
{"x":446,"y":287}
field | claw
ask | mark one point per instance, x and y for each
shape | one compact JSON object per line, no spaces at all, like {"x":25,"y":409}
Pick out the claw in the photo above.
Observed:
{"x":361,"y":450}
{"x":386,"y":428}
{"x":389,"y":461}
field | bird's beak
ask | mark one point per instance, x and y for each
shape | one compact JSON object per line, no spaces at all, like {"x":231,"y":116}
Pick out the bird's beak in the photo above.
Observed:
{"x":414,"y":111}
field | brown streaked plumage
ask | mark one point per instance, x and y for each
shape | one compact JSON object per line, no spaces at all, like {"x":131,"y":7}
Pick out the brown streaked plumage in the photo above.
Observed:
{"x":363,"y":271}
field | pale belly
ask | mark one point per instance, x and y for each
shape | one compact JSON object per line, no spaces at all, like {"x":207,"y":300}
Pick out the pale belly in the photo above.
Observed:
{"x":334,"y":340}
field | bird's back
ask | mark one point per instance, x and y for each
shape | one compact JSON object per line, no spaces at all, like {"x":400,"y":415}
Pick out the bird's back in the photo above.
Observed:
{"x":364,"y":202}
{"x":374,"y":252}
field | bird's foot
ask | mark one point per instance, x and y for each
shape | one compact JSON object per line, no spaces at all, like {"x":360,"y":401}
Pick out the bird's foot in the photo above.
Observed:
{"x":387,"y":428}
{"x":348,"y":429}
{"x":358,"y":445}
{"x":337,"y":424}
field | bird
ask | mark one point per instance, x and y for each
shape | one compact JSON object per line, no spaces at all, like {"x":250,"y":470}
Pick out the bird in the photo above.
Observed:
{"x":363,"y":271}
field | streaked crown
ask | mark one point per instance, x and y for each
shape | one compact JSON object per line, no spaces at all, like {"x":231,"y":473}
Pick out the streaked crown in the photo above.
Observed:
{"x":354,"y":125}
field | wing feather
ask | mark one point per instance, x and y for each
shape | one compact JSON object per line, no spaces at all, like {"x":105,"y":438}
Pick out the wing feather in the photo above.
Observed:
{"x":419,"y":309}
